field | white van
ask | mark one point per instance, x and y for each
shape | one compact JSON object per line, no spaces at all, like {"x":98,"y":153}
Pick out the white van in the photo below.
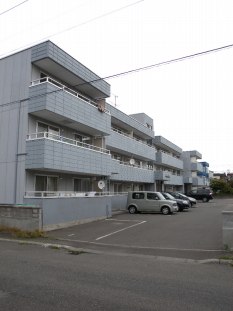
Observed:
{"x":148,"y":201}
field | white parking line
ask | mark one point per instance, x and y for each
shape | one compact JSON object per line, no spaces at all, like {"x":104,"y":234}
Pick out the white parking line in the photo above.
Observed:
{"x":104,"y":236}
{"x":115,"y":219}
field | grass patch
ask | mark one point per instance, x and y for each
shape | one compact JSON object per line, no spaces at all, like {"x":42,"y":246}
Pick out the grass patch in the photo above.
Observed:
{"x":227,"y":257}
{"x":23,"y":233}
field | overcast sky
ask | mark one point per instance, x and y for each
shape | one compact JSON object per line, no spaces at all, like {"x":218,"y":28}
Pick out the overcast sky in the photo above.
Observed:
{"x":190,"y":101}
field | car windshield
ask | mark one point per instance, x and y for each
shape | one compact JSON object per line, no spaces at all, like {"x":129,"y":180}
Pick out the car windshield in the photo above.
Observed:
{"x":161,"y":197}
{"x":183,"y":196}
{"x":168,"y":196}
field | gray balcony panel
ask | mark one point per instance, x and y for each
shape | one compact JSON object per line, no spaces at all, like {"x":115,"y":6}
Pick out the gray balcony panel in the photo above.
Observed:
{"x":197,"y":181}
{"x":46,"y":154}
{"x":196,"y":167}
{"x":162,"y":175}
{"x":129,"y":123}
{"x":54,"y":60}
{"x":129,"y":146}
{"x":195,"y":153}
{"x":168,"y":160}
{"x":162,"y":142}
{"x":130,"y":173}
{"x":52,"y":103}
{"x":175,"y":180}
{"x":187,"y":180}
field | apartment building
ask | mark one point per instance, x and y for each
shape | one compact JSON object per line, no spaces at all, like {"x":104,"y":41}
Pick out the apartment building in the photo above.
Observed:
{"x":58,"y":135}
{"x":59,"y":138}
{"x":53,"y":124}
{"x":133,"y":155}
{"x":168,"y":165}
{"x":196,"y":173}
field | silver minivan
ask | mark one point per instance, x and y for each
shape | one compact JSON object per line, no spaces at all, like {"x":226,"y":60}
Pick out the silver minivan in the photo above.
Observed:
{"x":148,"y":201}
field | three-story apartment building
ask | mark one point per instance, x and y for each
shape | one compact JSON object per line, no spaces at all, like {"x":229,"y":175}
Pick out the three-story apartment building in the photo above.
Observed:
{"x":59,"y":135}
{"x":195,"y":172}
{"x":53,"y":124}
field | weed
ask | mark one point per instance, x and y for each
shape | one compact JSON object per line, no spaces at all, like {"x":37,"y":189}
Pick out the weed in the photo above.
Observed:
{"x":55,"y":247}
{"x":22,"y":233}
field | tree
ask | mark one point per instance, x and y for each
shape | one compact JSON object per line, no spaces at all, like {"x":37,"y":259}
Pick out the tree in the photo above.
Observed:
{"x":221,"y":186}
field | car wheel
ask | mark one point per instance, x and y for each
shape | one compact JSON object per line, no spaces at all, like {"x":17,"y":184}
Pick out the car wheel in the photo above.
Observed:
{"x":181,"y":209}
{"x":205,"y":200}
{"x":132,"y":209}
{"x":165,"y":210}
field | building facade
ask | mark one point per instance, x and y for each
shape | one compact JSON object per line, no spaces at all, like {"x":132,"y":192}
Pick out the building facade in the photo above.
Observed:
{"x":196,"y":173}
{"x":58,"y":135}
{"x":168,"y":165}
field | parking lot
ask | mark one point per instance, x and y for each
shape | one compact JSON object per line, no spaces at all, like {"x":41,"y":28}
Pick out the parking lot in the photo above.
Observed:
{"x":195,"y":233}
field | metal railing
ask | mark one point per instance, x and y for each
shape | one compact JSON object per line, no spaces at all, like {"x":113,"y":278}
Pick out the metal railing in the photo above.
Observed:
{"x":143,"y":167}
{"x":66,"y":89}
{"x":65,"y":140}
{"x":69,"y":194}
{"x":129,"y":136}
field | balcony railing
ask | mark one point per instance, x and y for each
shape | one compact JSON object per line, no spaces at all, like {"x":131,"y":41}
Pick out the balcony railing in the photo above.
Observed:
{"x":143,"y":167}
{"x":68,"y":194}
{"x":65,"y":140}
{"x":127,"y":135}
{"x":68,"y":90}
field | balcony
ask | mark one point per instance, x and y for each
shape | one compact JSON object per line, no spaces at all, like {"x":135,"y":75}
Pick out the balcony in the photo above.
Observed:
{"x":121,"y":142}
{"x":188,"y":180}
{"x":162,"y":175}
{"x":175,"y":180}
{"x":46,"y":151}
{"x":168,"y":160}
{"x":127,"y":172}
{"x":53,"y":101}
{"x":50,"y":58}
{"x":127,"y":122}
{"x":197,"y":181}
{"x":196,"y":167}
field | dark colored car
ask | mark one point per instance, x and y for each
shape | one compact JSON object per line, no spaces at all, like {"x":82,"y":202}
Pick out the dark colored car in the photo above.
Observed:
{"x":201,"y":194}
{"x":181,"y":196}
{"x":182,"y":203}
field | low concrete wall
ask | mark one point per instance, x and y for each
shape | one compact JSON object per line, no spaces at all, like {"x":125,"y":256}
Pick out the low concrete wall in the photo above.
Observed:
{"x":227,"y":229}
{"x":64,"y":212}
{"x":119,"y":202}
{"x":20,"y":216}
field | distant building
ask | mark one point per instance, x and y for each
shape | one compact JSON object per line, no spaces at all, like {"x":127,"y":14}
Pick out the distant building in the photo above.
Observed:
{"x":196,"y":173}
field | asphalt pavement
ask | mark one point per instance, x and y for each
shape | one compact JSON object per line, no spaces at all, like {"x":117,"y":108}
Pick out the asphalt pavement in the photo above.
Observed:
{"x":53,"y":279}
{"x":195,"y":234}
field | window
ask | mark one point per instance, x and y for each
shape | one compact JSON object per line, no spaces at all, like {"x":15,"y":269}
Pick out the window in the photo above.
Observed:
{"x":83,"y":185}
{"x":152,"y":196}
{"x":46,"y":183}
{"x":51,"y":131}
{"x":138,"y":196}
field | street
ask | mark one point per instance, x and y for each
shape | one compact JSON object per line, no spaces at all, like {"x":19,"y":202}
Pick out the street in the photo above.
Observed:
{"x":38,"y":278}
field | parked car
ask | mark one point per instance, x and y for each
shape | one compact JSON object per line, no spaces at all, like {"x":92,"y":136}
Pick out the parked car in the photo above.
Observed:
{"x":182,"y":203}
{"x":201,"y":194}
{"x":181,"y":196}
{"x":147,"y":201}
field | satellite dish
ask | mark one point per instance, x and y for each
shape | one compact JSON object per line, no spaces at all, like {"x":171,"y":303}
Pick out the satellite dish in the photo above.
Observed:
{"x":101,"y":184}
{"x":132,"y":161}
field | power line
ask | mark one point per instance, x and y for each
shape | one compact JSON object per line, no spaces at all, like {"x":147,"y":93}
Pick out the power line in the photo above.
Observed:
{"x":167,"y":62}
{"x":163,"y":63}
{"x":14,"y":7}
{"x":73,"y":27}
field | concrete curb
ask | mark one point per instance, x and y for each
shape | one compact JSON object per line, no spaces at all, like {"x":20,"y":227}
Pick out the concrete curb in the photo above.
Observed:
{"x":86,"y":250}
